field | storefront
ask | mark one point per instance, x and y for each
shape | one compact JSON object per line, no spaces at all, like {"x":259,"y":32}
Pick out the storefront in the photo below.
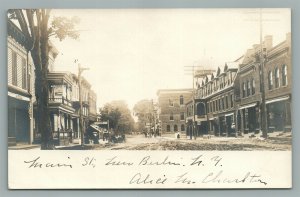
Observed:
{"x":279,"y":114}
{"x":248,"y":118}
{"x":18,"y":119}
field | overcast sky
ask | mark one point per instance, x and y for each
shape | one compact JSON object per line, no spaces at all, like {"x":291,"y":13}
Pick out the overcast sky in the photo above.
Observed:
{"x":132,"y":53}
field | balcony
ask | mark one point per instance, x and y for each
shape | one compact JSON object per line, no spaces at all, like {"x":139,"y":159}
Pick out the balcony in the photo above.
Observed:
{"x":60,"y":100}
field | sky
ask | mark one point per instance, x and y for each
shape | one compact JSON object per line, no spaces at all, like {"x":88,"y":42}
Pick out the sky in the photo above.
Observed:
{"x":132,"y":53}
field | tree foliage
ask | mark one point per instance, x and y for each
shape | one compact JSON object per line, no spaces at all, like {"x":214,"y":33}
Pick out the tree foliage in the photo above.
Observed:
{"x":119,"y":116}
{"x":35,"y":25}
{"x":143,"y":110}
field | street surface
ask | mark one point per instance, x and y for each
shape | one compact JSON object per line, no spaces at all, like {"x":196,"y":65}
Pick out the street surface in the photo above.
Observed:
{"x":277,"y":141}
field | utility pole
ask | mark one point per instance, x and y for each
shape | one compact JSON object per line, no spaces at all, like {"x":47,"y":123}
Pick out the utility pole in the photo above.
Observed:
{"x":82,"y":129}
{"x":263,"y":93}
{"x":193,"y":94}
{"x":263,"y":108}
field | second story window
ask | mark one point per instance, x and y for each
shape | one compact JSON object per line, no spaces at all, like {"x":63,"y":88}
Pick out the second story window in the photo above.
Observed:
{"x":277,"y":84}
{"x":231,"y":100}
{"x":244,"y":89}
{"x":24,"y":74}
{"x":29,"y":78}
{"x":181,"y":100}
{"x":14,"y":69}
{"x":284,"y":75}
{"x":253,"y":86}
{"x":248,"y":88}
{"x":270,"y":80}
{"x":182,"y":116}
{"x":171,"y":116}
{"x":226,"y":102}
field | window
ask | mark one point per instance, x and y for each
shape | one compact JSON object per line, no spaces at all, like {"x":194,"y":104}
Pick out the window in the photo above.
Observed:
{"x":284,"y":75}
{"x":181,"y":100}
{"x":219,"y":101}
{"x":182,"y":127}
{"x":248,"y":88}
{"x":181,"y":115}
{"x":207,"y":107}
{"x":175,"y":128}
{"x":14,"y":69}
{"x":223,"y":103}
{"x":231,"y":100}
{"x":270,"y":80}
{"x":253,"y":86}
{"x":29,"y":79}
{"x":200,"y":109}
{"x":171,"y":103}
{"x":226,"y":102}
{"x":24,"y":74}
{"x":277,"y":78}
{"x":171,"y":116}
{"x":211,"y":106}
{"x":168,"y":128}
{"x":244,"y":89}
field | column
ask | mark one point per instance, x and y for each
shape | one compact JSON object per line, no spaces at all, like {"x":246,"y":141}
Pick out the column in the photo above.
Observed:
{"x":30,"y":112}
{"x":236,"y":122}
{"x":242,"y":121}
{"x":78,"y":129}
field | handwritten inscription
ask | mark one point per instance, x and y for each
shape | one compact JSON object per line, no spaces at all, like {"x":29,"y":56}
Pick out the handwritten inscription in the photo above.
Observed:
{"x":138,"y":178}
{"x":199,"y":169}
{"x":37,"y":163}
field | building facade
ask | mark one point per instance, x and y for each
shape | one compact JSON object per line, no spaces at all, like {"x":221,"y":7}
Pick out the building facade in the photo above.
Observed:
{"x":278,"y":86}
{"x":213,"y":110}
{"x":20,"y":87}
{"x":229,"y":103}
{"x":171,"y":109}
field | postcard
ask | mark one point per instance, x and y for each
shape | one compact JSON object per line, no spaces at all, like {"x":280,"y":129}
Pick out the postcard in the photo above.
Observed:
{"x":149,"y":98}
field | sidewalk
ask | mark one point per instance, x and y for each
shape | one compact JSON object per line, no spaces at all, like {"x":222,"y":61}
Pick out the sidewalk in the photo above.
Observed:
{"x":25,"y":147}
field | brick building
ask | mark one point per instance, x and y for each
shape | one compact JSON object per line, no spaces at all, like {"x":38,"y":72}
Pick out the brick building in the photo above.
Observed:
{"x":214,"y":104}
{"x":277,"y":86}
{"x":171,"y":109}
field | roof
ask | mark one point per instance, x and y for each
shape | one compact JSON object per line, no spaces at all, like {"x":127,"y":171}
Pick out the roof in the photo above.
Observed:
{"x":173,"y":91}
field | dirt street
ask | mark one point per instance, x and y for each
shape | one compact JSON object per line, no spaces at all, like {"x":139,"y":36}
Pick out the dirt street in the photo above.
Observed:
{"x":276,"y":141}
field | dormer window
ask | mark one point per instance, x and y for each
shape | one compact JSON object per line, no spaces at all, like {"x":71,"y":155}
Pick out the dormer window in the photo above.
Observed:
{"x":181,"y":100}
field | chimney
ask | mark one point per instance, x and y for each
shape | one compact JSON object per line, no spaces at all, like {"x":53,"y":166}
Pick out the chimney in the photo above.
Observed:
{"x":268,"y":42}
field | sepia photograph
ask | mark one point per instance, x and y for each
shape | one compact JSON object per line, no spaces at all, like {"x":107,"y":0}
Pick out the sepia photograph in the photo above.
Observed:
{"x":147,"y":89}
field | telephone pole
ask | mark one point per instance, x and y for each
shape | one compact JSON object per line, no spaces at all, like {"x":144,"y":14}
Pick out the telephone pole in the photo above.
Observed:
{"x":82,"y":129}
{"x":263,"y":93}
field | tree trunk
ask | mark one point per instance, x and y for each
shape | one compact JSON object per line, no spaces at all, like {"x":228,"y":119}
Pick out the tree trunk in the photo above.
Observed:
{"x":40,"y":56}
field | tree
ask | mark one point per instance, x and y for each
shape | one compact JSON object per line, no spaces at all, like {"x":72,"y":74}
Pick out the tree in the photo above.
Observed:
{"x":144,"y":111}
{"x":118,"y":115}
{"x":34,"y":23}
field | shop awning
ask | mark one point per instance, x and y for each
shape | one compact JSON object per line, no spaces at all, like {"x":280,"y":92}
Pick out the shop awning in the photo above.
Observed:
{"x":247,"y":106}
{"x":231,"y":114}
{"x":277,"y":99}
